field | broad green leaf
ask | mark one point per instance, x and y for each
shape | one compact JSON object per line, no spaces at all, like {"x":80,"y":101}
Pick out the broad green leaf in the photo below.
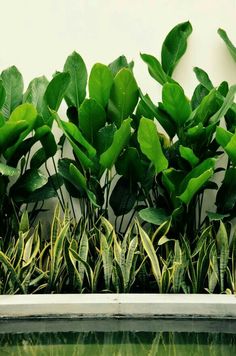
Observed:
{"x":76,"y":90}
{"x":6,"y":170}
{"x":228,"y":101}
{"x":228,"y":141}
{"x":199,"y":93}
{"x":76,"y":140}
{"x":120,"y":139}
{"x":156,"y":216}
{"x":204,"y":166}
{"x":216,"y":216}
{"x":100,"y":83}
{"x":25,"y":112}
{"x":13,"y":84}
{"x":104,"y":138}
{"x":10,"y":132}
{"x":194,"y":185}
{"x":149,"y":248}
{"x":130,"y":165}
{"x":29,"y":182}
{"x":188,"y":154}
{"x":176,"y":103}
{"x":149,"y":141}
{"x":209,"y":105}
{"x":2,"y":94}
{"x":226,"y":195}
{"x":155,"y":69}
{"x":203,"y":78}
{"x":123,"y":196}
{"x":158,"y":112}
{"x":47,"y":191}
{"x":35,"y":93}
{"x":123,"y":97}
{"x":174,"y":46}
{"x":92,"y":117}
{"x":118,"y":64}
{"x":229,"y":44}
{"x":55,"y":92}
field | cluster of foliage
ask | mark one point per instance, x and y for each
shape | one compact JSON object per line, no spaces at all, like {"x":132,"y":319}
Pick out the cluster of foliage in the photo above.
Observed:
{"x":153,"y":161}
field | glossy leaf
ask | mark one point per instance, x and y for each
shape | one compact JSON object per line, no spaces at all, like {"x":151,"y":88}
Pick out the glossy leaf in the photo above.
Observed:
{"x":228,"y":141}
{"x":188,"y":154}
{"x":123,"y":196}
{"x":6,"y":170}
{"x":118,"y":64}
{"x":203,"y":78}
{"x":13,"y":83}
{"x":56,"y":90}
{"x":156,"y":216}
{"x":149,"y":141}
{"x":29,"y":182}
{"x":120,"y":139}
{"x":174,"y":46}
{"x":123,"y":97}
{"x":176,"y":103}
{"x":76,"y":90}
{"x":104,"y":138}
{"x":155,"y":69}
{"x":92,"y":117}
{"x":226,"y":196}
{"x":35,"y":93}
{"x":228,"y":101}
{"x":229,"y":44}
{"x":2,"y":94}
{"x":100,"y":83}
{"x":25,"y":113}
{"x":209,"y":105}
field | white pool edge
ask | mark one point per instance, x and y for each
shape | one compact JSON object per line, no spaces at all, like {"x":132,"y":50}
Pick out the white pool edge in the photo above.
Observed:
{"x":118,"y":306}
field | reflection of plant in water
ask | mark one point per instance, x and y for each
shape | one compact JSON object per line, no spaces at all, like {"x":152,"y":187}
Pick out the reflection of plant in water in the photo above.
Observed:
{"x":118,"y":343}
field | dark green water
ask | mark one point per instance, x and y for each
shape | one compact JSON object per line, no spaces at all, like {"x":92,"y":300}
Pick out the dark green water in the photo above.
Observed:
{"x":118,"y":343}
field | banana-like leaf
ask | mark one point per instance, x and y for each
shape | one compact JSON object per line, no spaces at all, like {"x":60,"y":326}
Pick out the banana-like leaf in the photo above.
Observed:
{"x":150,"y":145}
{"x":229,"y":44}
{"x":100,"y":83}
{"x":174,"y":46}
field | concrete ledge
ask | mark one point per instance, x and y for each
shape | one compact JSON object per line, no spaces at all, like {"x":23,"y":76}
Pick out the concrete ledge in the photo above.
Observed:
{"x":118,"y":306}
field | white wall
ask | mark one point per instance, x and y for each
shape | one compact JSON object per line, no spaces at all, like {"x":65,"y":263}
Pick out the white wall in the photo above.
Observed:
{"x":37,"y":36}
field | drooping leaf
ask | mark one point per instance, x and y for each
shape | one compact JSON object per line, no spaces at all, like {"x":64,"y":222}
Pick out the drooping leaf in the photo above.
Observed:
{"x":100,"y":83}
{"x":31,"y":180}
{"x":149,"y":141}
{"x":26,"y":113}
{"x":123,"y":97}
{"x":123,"y":196}
{"x":229,"y":44}
{"x":156,"y":216}
{"x":76,"y":90}
{"x":176,"y":103}
{"x":199,"y":93}
{"x":13,"y":84}
{"x":174,"y":46}
{"x":155,"y":69}
{"x":92,"y":117}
